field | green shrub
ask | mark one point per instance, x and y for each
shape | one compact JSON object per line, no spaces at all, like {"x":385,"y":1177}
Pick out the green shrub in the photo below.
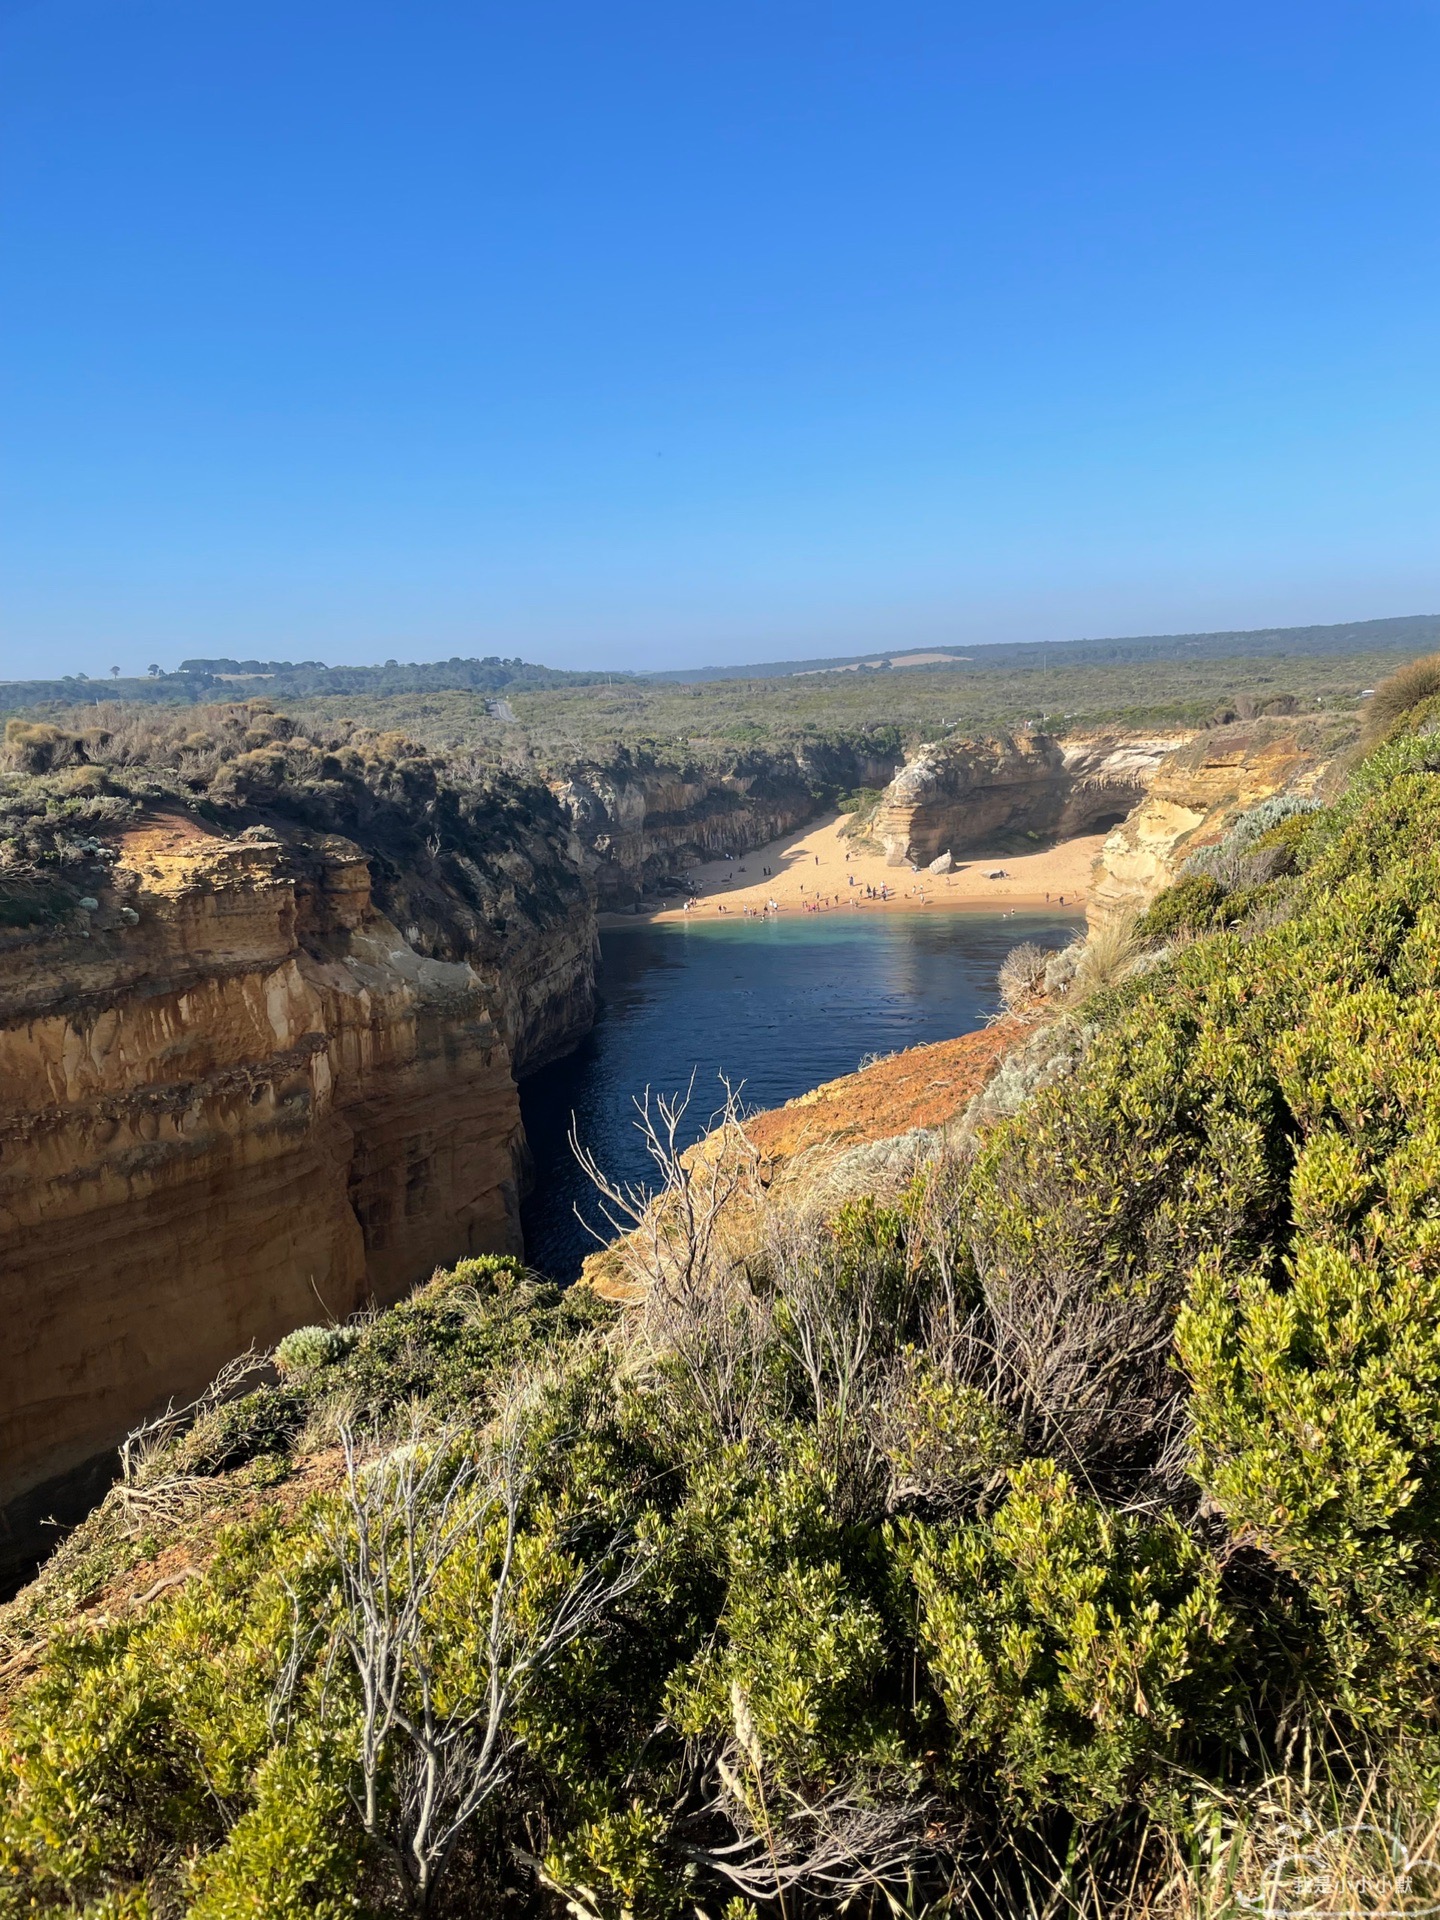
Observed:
{"x":451,"y":1341}
{"x":1193,"y":905}
{"x":310,"y":1347}
{"x":942,"y":1439}
{"x":265,"y":1421}
{"x":621,"y":1866}
{"x":293,"y":1855}
{"x":1316,"y":1403}
{"x":862,"y":800}
{"x":802,"y":1636}
{"x":1075,"y":1651}
{"x":1288,"y":836}
{"x":100,"y":1777}
{"x":28,"y":902}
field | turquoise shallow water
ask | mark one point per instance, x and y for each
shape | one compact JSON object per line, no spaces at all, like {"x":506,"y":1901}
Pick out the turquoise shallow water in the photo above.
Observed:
{"x":779,"y":1005}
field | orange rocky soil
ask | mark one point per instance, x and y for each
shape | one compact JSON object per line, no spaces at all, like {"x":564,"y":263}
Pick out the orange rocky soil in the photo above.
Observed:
{"x":923,"y":1087}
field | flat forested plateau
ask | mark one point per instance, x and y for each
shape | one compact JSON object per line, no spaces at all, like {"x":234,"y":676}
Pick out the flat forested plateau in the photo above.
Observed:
{"x":507,"y":713}
{"x":716,"y":724}
{"x":1056,"y":1531}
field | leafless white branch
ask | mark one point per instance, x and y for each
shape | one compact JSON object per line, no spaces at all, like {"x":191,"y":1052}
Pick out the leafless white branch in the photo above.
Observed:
{"x":441,"y":1751}
{"x":142,"y":1444}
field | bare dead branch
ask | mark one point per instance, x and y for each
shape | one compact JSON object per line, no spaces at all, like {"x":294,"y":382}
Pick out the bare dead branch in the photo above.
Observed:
{"x":430,"y":1756}
{"x":145,"y":1442}
{"x":669,"y":1230}
{"x":850,"y":1840}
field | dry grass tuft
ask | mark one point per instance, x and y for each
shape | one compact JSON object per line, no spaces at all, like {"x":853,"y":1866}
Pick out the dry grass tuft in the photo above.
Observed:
{"x":1108,"y":957}
{"x":1309,"y":1843}
{"x":1022,"y":975}
{"x":1399,"y":696}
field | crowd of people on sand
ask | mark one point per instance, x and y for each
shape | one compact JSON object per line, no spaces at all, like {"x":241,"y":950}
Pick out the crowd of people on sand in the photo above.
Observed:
{"x":817,"y":903}
{"x":856,"y":894}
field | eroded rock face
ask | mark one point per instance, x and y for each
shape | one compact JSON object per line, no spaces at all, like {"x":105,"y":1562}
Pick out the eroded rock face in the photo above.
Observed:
{"x":237,"y":1096}
{"x":1195,"y":792}
{"x":637,"y":824}
{"x":969,"y":796}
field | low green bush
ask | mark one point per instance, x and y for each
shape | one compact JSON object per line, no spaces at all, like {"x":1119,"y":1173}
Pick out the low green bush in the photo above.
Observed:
{"x":1193,"y":905}
{"x":309,"y":1347}
{"x":264,"y":1421}
{"x":1073,"y":1649}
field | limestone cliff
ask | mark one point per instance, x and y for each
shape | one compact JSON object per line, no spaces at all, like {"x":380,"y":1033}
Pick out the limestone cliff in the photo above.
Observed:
{"x":1195,"y":791}
{"x":255,"y":1071}
{"x":971,"y":796}
{"x":232,"y":1098}
{"x":638,"y":822}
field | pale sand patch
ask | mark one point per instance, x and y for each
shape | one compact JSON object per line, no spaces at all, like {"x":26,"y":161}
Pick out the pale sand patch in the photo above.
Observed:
{"x":889,"y":659}
{"x":810,"y":866}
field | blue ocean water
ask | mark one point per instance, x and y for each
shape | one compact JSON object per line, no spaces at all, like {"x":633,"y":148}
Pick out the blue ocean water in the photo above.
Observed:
{"x":778,"y":1005}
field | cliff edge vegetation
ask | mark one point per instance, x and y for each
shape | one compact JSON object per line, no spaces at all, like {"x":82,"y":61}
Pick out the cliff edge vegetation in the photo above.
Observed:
{"x":473,"y":859}
{"x":1054,"y":1530}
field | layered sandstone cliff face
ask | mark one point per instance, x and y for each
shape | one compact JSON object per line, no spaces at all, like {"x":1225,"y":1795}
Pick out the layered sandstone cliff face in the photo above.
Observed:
{"x":1194,"y":794}
{"x":637,"y":824}
{"x":237,"y":1095}
{"x":970,"y":796}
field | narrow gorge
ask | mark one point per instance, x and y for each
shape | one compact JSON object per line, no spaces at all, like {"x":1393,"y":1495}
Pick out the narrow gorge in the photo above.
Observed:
{"x":265,"y":999}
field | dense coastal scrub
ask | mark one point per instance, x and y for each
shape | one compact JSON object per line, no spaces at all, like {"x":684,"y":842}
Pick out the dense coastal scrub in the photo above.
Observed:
{"x":532,"y":721}
{"x":1058,"y":1533}
{"x":439,"y":829}
{"x":712,"y":725}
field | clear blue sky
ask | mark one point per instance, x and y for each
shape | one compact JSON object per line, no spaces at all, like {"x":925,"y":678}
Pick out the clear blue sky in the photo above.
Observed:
{"x":661,"y":334}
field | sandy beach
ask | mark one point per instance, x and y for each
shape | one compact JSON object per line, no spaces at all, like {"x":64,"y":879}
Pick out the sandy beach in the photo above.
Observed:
{"x":816,"y":869}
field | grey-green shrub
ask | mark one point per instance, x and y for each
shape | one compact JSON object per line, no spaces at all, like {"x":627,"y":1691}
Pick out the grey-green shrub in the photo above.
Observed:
{"x":1239,"y":859}
{"x":310,"y":1347}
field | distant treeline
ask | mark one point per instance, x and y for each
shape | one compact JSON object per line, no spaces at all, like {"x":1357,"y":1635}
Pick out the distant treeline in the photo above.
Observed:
{"x":206,"y":680}
{"x":1420,"y":630}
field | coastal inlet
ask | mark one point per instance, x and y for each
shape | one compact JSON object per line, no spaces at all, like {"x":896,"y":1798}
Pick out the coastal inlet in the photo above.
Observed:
{"x":779,"y":1006}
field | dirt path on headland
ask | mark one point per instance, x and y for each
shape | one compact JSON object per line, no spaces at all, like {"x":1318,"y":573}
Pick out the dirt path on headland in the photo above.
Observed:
{"x":812,"y":870}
